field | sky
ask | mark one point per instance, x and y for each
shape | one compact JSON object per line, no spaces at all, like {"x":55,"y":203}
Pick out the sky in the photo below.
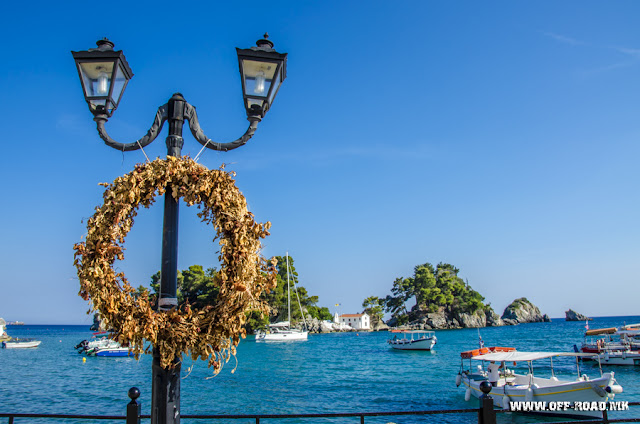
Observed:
{"x":500,"y":137}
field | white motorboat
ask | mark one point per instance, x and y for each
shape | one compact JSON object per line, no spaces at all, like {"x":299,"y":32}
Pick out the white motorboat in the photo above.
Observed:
{"x":282,"y":331}
{"x":111,"y":352}
{"x":413,"y":340}
{"x":513,"y":391}
{"x":20,"y":343}
{"x":619,"y":357}
{"x":613,"y":346}
{"x":99,"y":342}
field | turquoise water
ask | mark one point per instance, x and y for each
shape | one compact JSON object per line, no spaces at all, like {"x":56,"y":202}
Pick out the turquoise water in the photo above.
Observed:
{"x":342,"y":372}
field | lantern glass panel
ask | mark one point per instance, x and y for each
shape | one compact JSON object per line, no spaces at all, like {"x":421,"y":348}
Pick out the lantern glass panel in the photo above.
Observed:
{"x":258,"y":77}
{"x":119,"y":83}
{"x":96,"y":77}
{"x":274,"y":90}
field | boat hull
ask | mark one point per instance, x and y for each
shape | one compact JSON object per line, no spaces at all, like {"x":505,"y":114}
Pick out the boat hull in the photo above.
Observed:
{"x":20,"y":345}
{"x":620,"y":358}
{"x":572,"y":392}
{"x":402,"y":344}
{"x":282,"y":336}
{"x":112,"y":353}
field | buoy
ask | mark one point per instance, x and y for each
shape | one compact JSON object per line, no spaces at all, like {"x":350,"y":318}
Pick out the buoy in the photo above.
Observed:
{"x":528,"y":396}
{"x":84,"y":360}
{"x":505,"y":402}
{"x":458,"y":380}
{"x":467,"y":394}
{"x":613,"y":389}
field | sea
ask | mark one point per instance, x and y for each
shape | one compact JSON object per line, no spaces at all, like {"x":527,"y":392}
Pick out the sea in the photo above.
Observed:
{"x":328,"y":373}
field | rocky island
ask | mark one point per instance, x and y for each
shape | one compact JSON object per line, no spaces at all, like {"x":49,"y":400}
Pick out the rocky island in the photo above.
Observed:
{"x":445,"y":301}
{"x":522,"y":311}
{"x":572,"y":315}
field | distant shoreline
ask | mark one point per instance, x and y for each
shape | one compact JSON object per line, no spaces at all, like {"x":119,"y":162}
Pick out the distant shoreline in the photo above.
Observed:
{"x":553,"y":319}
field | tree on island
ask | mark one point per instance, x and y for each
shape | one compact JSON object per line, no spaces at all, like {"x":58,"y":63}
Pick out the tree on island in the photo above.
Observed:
{"x":200,"y":288}
{"x":434,"y":289}
{"x":374,"y":307}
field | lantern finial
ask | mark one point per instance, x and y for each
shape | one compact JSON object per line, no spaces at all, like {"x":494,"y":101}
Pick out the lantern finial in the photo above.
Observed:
{"x":104,"y":44}
{"x":264,"y":44}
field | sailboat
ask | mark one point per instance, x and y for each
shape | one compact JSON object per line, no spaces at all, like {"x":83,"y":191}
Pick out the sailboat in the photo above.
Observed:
{"x":282,"y":331}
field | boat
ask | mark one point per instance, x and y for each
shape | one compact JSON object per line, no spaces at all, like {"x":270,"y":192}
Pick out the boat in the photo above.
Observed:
{"x":513,"y":390}
{"x":413,"y":340}
{"x":101,"y":345}
{"x":112,"y":352}
{"x":613,"y":346}
{"x":282,"y":331}
{"x":20,"y":343}
{"x":619,"y":357}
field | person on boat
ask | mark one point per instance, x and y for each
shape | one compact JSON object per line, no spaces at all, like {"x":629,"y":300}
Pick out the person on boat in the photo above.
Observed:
{"x":494,"y":373}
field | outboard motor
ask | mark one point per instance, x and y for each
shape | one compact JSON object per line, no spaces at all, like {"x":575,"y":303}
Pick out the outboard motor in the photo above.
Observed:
{"x":82,"y":346}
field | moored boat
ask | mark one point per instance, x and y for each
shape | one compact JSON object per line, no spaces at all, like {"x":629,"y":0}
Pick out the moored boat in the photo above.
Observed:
{"x":20,"y":343}
{"x":282,"y":331}
{"x":413,"y":340}
{"x":613,"y":346}
{"x":101,"y":345}
{"x":111,"y":352}
{"x":511,"y":389}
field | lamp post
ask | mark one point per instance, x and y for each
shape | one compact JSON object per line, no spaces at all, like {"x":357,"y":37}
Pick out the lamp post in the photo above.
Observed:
{"x":104,"y":74}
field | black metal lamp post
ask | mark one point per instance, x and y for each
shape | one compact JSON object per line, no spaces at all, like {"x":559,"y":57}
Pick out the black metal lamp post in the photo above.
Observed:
{"x":104,"y":74}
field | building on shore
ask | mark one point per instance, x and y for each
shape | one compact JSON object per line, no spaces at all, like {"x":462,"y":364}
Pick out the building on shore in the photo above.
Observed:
{"x":355,"y":321}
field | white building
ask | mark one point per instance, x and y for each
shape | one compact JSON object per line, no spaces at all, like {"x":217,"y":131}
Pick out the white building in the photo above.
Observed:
{"x":355,"y":321}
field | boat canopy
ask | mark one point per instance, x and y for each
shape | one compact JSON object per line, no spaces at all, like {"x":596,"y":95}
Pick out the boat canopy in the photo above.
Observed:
{"x":598,"y":331}
{"x":413,"y":331}
{"x":525,"y":356}
{"x":281,"y":324}
{"x":631,"y":333}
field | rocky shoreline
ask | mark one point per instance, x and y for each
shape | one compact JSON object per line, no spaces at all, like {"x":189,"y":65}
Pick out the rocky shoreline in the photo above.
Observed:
{"x":520,"y":311}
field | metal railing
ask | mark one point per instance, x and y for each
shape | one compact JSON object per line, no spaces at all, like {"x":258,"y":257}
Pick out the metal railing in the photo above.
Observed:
{"x":485,"y":412}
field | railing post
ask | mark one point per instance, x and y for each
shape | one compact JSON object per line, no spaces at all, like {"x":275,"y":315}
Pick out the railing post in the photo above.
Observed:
{"x":133,"y":407}
{"x":605,"y":417}
{"x":486,"y":413}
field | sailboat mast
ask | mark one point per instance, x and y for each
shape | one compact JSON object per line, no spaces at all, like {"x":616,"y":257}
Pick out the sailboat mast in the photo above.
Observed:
{"x":288,"y":292}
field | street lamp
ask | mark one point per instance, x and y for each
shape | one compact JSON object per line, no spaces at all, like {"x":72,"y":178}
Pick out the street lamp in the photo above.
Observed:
{"x":104,"y":74}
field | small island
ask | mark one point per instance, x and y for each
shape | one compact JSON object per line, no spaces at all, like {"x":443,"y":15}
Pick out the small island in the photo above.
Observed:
{"x":572,"y":315}
{"x":444,"y":301}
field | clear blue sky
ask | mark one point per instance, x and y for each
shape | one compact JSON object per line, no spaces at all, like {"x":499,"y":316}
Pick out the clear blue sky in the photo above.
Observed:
{"x":501,"y":137}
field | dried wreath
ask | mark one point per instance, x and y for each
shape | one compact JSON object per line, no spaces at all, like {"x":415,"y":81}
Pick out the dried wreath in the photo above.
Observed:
{"x":212,"y":332}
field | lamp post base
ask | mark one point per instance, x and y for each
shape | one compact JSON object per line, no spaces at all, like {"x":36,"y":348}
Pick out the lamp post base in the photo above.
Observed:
{"x":165,"y":392}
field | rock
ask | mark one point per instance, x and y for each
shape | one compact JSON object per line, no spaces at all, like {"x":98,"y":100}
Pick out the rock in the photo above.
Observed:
{"x":422,"y":320}
{"x":572,"y":315}
{"x":476,"y":320}
{"x":380,"y":326}
{"x":437,"y":320}
{"x":522,"y":311}
{"x":313,"y":325}
{"x":326,"y":327}
{"x":493,"y":319}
